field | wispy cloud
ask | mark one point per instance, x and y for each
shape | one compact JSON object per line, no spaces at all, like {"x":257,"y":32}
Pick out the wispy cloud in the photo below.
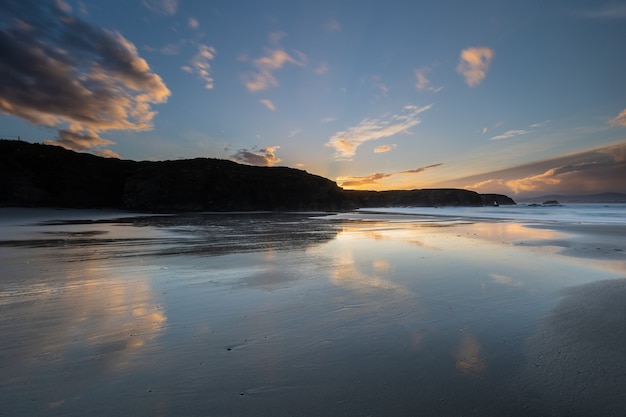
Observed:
{"x":294,"y":133}
{"x":348,"y":181}
{"x":346,"y":142}
{"x":162,"y":7}
{"x":510,"y":133}
{"x":620,"y":120}
{"x":268,"y":103}
{"x":193,"y":23}
{"x":421,"y":169}
{"x":274,"y":59}
{"x":379,"y":86}
{"x":373,"y":179}
{"x":326,"y":120}
{"x":262,"y":157}
{"x":84,"y":88}
{"x":517,"y":132}
{"x":384,"y":148}
{"x":538,"y":125}
{"x":200,"y":65}
{"x":609,"y":11}
{"x":84,"y":141}
{"x":591,"y":171}
{"x":332,"y":26}
{"x":321,"y":69}
{"x":422,"y":82}
{"x":474,"y":64}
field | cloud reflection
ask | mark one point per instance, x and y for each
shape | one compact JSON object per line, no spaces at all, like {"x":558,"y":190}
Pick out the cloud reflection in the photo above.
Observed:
{"x":468,"y":356}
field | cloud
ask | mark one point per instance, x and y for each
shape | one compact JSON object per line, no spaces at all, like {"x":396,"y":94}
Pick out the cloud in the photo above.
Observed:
{"x":373,"y":179}
{"x":591,"y":171}
{"x":293,"y":133}
{"x":382,"y":88}
{"x":332,"y":26}
{"x":325,"y":120}
{"x":538,"y":125}
{"x":261,"y":157}
{"x":422,"y":82}
{"x":609,"y":11}
{"x":83,"y":141}
{"x":193,"y":23}
{"x":63,"y":6}
{"x":162,"y":7}
{"x":346,"y":142}
{"x":58,"y":70}
{"x":620,"y":120}
{"x":517,"y":132}
{"x":267,"y":103}
{"x":474,"y":63}
{"x":384,"y":148}
{"x":349,"y":181}
{"x":534,"y":182}
{"x":200,"y":65}
{"x":274,"y":59}
{"x":321,"y":69}
{"x":421,"y":169}
{"x":510,"y":133}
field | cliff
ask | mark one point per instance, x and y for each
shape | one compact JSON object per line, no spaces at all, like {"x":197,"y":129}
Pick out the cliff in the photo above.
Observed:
{"x":48,"y":176}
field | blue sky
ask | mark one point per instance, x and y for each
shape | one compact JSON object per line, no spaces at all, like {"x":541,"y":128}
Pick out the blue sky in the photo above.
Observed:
{"x":518,"y":97}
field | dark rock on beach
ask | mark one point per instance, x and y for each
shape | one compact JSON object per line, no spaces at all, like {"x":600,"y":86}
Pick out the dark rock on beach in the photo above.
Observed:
{"x":39,"y":175}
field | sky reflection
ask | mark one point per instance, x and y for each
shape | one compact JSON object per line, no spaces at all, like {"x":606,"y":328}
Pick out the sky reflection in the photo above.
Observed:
{"x":358,"y":319}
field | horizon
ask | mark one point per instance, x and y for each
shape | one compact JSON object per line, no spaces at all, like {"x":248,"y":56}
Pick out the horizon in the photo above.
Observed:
{"x":488,"y":97}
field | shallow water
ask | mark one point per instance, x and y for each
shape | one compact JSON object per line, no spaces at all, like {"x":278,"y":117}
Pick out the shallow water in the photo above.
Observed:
{"x":301,"y":315}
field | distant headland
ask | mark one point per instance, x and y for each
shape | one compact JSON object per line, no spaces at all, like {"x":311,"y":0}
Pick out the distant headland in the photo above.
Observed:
{"x":37,"y":175}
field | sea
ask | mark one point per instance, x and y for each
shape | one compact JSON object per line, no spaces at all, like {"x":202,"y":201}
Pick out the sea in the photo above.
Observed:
{"x":450,"y":311}
{"x":575,"y":213}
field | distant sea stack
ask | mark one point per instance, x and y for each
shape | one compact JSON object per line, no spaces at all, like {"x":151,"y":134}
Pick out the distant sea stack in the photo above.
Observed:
{"x":36,"y":175}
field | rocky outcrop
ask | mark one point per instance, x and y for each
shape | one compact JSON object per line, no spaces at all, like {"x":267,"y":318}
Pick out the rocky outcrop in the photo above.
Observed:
{"x":50,"y":176}
{"x":496,"y":200}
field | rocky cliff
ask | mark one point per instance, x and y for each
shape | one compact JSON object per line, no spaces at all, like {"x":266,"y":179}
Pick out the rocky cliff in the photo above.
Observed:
{"x":50,"y":176}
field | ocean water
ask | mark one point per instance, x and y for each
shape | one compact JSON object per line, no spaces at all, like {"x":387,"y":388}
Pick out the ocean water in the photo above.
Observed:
{"x":438,"y":312}
{"x":566,"y":213}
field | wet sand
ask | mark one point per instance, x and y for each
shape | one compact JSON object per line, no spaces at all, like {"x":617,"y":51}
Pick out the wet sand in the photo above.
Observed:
{"x":308,"y":315}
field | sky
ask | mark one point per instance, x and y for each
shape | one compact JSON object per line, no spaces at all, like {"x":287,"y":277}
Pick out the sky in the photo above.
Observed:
{"x":515,"y":97}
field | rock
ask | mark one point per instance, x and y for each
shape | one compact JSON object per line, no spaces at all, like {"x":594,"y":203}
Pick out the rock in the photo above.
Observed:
{"x":551,"y":203}
{"x":50,"y":176}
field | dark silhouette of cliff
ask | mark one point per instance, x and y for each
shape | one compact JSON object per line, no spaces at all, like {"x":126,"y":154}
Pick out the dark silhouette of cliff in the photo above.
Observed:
{"x":49,"y":176}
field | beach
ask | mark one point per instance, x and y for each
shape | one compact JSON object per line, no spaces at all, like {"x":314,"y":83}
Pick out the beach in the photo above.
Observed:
{"x":367,"y":313}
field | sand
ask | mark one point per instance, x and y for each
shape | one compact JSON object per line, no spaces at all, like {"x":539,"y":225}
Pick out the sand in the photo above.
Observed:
{"x":308,"y":315}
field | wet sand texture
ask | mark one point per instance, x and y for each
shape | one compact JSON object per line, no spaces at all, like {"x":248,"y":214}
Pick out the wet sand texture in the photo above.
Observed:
{"x":577,"y":359}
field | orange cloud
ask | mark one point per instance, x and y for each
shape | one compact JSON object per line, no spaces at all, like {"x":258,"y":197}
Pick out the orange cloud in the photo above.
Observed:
{"x":268,"y":103}
{"x":262,"y":157}
{"x":349,"y":181}
{"x":384,"y":148}
{"x":346,"y":142}
{"x":106,"y":85}
{"x":263,"y":78}
{"x":200,"y":65}
{"x":474,"y":63}
{"x":620,"y":120}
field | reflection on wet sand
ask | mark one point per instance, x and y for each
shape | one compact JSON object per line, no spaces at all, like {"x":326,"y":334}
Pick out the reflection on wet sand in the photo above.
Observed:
{"x":468,"y":356}
{"x":267,"y":314}
{"x":76,"y":326}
